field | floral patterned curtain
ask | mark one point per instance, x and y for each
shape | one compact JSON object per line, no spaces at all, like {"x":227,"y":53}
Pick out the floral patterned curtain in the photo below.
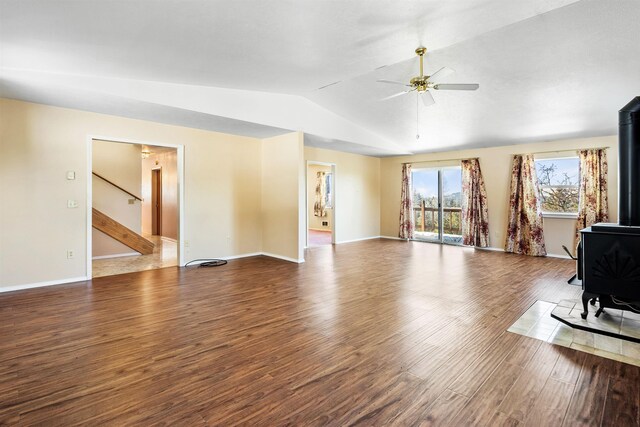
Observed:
{"x":406,"y":205}
{"x":593,"y":204}
{"x":321,"y":190}
{"x":525,"y":234}
{"x":475,"y":214}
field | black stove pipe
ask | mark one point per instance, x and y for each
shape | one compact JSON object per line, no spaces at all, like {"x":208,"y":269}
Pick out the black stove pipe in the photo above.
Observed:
{"x":629,"y":163}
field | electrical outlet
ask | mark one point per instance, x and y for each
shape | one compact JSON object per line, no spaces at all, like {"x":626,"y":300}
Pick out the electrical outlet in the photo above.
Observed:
{"x":72,"y":204}
{"x":132,"y":201}
{"x":325,"y":223}
{"x":70,"y":254}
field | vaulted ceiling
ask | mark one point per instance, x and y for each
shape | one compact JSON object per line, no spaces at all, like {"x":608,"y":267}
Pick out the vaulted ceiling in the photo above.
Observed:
{"x":547,"y":69}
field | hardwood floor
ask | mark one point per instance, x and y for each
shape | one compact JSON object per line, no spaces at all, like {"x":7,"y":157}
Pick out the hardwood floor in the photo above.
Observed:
{"x":369,"y":333}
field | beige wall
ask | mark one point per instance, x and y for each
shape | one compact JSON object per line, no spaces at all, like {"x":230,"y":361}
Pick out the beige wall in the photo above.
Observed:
{"x":357,"y":193}
{"x":39,"y":144}
{"x":167,"y":162}
{"x":242,"y":195}
{"x":283,"y":196}
{"x":315,"y":222}
{"x":120,"y":164}
{"x":496,"y":168}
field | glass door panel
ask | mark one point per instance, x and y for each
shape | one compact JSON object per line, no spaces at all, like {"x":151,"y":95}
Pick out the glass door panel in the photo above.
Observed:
{"x":426,"y":202}
{"x":451,"y":205}
{"x":437,"y":204}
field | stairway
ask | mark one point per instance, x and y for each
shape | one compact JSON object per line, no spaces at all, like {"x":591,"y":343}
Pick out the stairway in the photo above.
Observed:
{"x":122,"y":234}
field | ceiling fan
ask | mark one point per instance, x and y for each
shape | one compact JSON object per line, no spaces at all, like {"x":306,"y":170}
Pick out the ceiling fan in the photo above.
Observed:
{"x":421,"y":84}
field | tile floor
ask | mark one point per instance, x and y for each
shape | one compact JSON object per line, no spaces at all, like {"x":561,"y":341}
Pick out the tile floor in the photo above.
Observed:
{"x":537,"y":323}
{"x":319,"y":238}
{"x":165,"y":254}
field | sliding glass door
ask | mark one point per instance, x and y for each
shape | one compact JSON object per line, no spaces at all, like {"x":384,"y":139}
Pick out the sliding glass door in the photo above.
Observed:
{"x":437,"y":199}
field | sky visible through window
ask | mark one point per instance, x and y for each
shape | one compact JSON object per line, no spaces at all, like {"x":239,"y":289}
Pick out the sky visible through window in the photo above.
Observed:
{"x":558,"y":179}
{"x":425,"y":184}
{"x":425,"y":181}
{"x":567,"y":166}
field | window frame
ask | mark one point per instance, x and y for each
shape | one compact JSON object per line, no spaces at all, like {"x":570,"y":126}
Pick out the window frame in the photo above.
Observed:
{"x":558,"y":215}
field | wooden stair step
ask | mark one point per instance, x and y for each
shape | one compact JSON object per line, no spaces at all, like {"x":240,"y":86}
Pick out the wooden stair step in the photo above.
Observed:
{"x":122,"y":234}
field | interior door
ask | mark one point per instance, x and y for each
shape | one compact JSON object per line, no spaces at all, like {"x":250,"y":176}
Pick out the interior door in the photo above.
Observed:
{"x":156,"y":202}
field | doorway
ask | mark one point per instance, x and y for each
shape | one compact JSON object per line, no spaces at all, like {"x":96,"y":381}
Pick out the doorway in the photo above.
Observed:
{"x":437,"y":204}
{"x":320,"y":203}
{"x":137,"y":189}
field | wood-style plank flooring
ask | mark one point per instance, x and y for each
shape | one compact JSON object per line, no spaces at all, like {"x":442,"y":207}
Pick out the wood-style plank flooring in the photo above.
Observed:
{"x":379,"y":332}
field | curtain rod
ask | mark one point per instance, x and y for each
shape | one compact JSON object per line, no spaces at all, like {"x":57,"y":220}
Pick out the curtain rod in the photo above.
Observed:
{"x":443,"y":160}
{"x":512,"y":154}
{"x":561,"y":151}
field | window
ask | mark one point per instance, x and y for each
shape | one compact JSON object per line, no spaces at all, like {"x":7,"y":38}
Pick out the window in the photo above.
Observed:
{"x":558,"y":180}
{"x":328,"y":191}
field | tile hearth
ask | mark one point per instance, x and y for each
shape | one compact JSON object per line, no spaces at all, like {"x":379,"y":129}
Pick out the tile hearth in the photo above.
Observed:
{"x":537,"y":323}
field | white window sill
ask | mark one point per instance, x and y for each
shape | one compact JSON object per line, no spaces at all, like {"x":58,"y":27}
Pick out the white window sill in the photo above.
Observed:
{"x":560,"y":215}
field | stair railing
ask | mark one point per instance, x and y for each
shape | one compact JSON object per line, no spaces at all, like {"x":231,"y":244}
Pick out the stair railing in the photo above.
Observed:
{"x":117,"y":186}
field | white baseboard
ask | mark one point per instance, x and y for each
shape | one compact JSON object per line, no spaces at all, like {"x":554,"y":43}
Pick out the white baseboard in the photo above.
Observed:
{"x":286,"y":258}
{"x":226,"y":258}
{"x":491,"y":249}
{"x":116,"y":255}
{"x":247,"y":255}
{"x":42,"y":284}
{"x":393,"y":238}
{"x":502,"y":250}
{"x":169,"y":239}
{"x":321,"y":229}
{"x":357,"y":240}
{"x":559,"y":256}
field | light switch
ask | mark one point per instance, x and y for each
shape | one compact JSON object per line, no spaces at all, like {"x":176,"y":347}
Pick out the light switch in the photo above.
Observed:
{"x":72,"y":203}
{"x":71,"y":175}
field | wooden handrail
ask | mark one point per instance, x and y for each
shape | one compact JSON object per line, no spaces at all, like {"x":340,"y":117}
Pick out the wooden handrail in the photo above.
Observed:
{"x":117,"y":186}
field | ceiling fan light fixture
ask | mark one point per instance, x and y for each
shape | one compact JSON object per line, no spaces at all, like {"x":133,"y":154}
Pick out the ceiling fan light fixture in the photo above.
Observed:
{"x":421,"y":83}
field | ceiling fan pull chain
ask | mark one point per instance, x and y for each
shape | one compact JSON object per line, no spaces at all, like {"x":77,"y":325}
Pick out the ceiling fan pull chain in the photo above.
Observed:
{"x":417,"y":116}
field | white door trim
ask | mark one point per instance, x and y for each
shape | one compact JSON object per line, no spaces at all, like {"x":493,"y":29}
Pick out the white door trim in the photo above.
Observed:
{"x":180,"y":172}
{"x":332,"y":218}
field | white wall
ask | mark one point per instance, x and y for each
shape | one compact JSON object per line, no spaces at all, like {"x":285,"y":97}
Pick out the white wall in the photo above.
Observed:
{"x":283,"y":196}
{"x":277,"y":110}
{"x":314,"y":222}
{"x":357,"y":193}
{"x":39,"y":144}
{"x":496,"y":169}
{"x":120,"y":164}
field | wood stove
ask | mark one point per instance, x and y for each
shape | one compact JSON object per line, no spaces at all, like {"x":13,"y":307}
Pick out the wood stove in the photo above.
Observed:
{"x":609,"y":262}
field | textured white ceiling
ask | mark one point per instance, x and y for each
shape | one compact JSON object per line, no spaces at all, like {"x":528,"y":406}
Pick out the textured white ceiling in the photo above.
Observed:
{"x":546,"y":68}
{"x":560,"y":75}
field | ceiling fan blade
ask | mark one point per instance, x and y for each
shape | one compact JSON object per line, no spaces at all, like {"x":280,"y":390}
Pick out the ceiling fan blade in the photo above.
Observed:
{"x":456,"y":86}
{"x":427,"y":98}
{"x":441,"y":73}
{"x":395,"y":95}
{"x":392,"y":82}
